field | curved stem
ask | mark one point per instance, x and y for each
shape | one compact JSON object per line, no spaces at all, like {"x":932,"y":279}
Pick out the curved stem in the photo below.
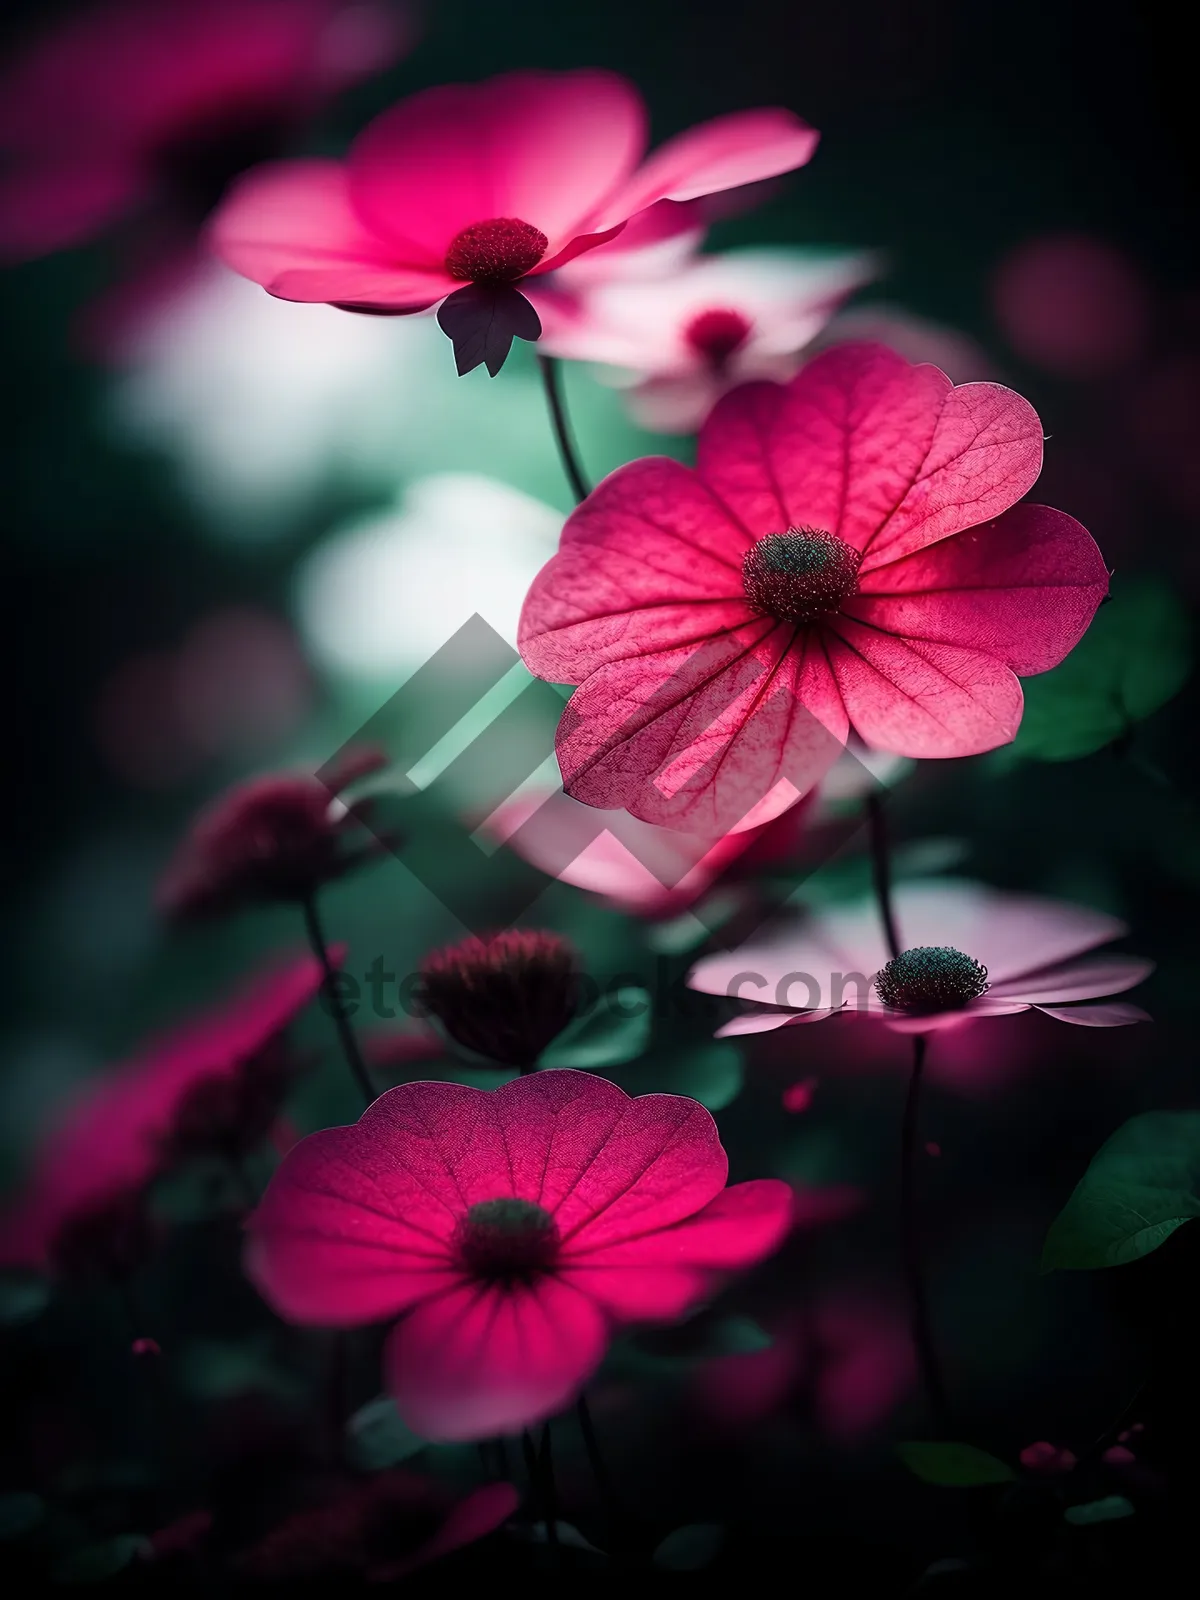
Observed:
{"x":562,"y":428}
{"x":881,"y":872}
{"x":333,"y":998}
{"x":928,"y":1359}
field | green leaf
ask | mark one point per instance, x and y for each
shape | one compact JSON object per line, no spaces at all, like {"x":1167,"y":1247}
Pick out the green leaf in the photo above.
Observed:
{"x":22,"y":1299}
{"x":19,"y":1513}
{"x":1134,"y":657}
{"x":1110,"y":1509}
{"x":614,"y":1031}
{"x":92,"y":1563}
{"x":1142,"y":1185}
{"x":953,"y":1466}
{"x":688,"y":1549}
{"x":376,"y":1437}
{"x":710,"y":1072}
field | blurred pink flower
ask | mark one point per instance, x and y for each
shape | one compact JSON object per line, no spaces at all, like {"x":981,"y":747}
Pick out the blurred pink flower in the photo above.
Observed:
{"x":509,"y":1230}
{"x":1046,"y":1457}
{"x":214,"y":1082}
{"x":131,"y":103}
{"x":273,"y":838}
{"x":684,"y":339}
{"x":968,"y":952}
{"x":847,"y":554}
{"x":383,"y":1527}
{"x":483,"y":184}
{"x":506,"y":998}
{"x":850,"y":1355}
{"x":1072,"y":305}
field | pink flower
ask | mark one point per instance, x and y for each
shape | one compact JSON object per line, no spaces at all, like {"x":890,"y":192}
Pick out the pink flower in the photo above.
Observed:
{"x":468,"y":189}
{"x":214,"y":1083}
{"x":968,"y":952}
{"x":505,"y":998}
{"x":273,"y":838}
{"x":385,"y":1527}
{"x":510,"y":1231}
{"x":847,"y":554}
{"x":685,"y":339}
{"x":133,"y":102}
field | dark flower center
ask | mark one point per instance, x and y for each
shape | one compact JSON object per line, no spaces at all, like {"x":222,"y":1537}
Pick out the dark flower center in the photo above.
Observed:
{"x":499,"y":251}
{"x":800,"y":575}
{"x":506,"y":997}
{"x":506,"y":1239}
{"x":717,"y":334}
{"x":930,"y":978}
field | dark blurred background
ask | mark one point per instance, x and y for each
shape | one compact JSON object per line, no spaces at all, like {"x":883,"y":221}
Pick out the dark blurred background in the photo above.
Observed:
{"x":977,"y":147}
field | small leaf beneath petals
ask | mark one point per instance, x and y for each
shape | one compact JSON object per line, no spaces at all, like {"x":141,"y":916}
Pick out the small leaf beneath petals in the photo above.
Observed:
{"x":1133,"y":658}
{"x":482,"y":323}
{"x":376,"y":1437}
{"x":1142,"y":1185}
{"x":1111,"y":1509}
{"x":953,"y":1466}
{"x":613,"y":1031}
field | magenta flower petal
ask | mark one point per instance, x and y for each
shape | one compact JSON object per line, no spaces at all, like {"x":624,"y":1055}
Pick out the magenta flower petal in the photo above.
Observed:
{"x":50,"y":208}
{"x":765,"y":1021}
{"x":291,"y":227}
{"x":695,"y":737}
{"x":1117,"y":1015}
{"x":482,"y":1360}
{"x":647,"y":548}
{"x":1076,"y":980}
{"x":542,"y":147}
{"x":473,"y":1518}
{"x":940,"y":1021}
{"x":920,"y":699}
{"x":1022,"y":588}
{"x":722,"y":154}
{"x":888,"y":456}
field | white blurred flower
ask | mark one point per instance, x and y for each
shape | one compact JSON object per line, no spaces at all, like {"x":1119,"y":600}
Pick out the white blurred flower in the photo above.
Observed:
{"x":376,"y":600}
{"x":264,"y":403}
{"x":679,"y":341}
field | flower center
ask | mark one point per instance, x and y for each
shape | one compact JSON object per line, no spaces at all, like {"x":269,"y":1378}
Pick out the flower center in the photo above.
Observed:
{"x":717,"y":334}
{"x":506,"y":1239}
{"x":930,"y":978}
{"x":800,"y":575}
{"x":494,"y":252}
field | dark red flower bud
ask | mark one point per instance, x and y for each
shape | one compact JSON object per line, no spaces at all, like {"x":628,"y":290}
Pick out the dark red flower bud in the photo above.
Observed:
{"x":274,"y":838}
{"x":506,"y":997}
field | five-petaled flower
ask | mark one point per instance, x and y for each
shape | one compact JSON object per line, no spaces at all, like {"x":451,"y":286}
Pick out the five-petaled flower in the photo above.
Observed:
{"x":847,"y":554}
{"x":214,"y":1083}
{"x":468,"y":189}
{"x":509,"y":1231}
{"x":682,"y":339}
{"x":967,"y":952}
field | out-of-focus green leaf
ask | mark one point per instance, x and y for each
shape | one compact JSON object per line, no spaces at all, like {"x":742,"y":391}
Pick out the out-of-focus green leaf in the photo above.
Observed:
{"x":710,"y":1072}
{"x":1111,"y":1509}
{"x":93,"y":1563}
{"x":1142,"y":1185}
{"x":953,"y":1466}
{"x":614,"y":1031}
{"x":690,"y":1548}
{"x":1134,"y":657}
{"x":19,"y":1513}
{"x":22,"y":1299}
{"x":376,"y":1437}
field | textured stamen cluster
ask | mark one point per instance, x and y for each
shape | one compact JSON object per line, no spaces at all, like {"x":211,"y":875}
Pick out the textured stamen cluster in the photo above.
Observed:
{"x":505,"y":998}
{"x":930,"y":978}
{"x":717,"y":334}
{"x":506,"y":1239}
{"x":498,"y":251}
{"x":800,"y":575}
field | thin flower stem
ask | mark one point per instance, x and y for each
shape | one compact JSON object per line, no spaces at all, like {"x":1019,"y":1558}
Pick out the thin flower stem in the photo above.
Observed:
{"x":928,"y":1359}
{"x":542,"y":1501}
{"x":881,"y":872}
{"x":341,"y":1019}
{"x":600,"y":1472}
{"x":549,"y":1487}
{"x":567,"y":448}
